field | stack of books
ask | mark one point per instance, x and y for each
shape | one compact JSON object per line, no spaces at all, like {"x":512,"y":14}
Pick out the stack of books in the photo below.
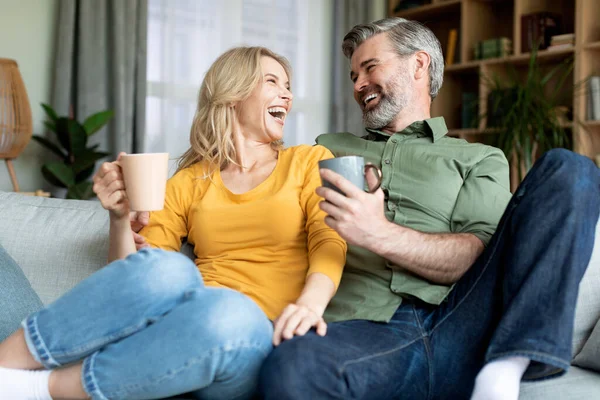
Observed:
{"x":537,"y":29}
{"x":593,"y":111}
{"x":493,"y":48}
{"x":559,"y":42}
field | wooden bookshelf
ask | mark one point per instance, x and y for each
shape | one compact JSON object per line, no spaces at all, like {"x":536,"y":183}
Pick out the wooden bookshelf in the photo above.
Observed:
{"x":478,"y":20}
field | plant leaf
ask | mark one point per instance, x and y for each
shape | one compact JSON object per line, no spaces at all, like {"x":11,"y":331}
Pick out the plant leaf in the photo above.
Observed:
{"x":50,"y":112}
{"x":95,"y":122}
{"x":87,"y":159}
{"x":59,"y":172}
{"x":49,"y":145}
{"x":78,"y":137}
{"x":62,"y":134}
{"x":81,"y":191}
{"x":50,"y":125}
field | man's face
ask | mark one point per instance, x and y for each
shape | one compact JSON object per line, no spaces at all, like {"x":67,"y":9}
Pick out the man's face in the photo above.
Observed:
{"x":382,"y":83}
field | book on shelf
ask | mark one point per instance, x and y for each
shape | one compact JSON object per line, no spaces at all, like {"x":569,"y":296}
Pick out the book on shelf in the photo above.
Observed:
{"x":451,"y":46}
{"x":537,"y":30}
{"x":492,"y":48}
{"x":593,"y":112}
{"x":568,"y":38}
{"x":556,"y":47}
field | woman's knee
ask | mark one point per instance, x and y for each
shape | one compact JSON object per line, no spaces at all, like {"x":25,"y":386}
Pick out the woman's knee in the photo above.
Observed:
{"x":234,"y":318}
{"x":158,"y":273}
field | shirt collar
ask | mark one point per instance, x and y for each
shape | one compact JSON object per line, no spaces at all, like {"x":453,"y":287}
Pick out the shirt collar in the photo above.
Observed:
{"x":432,"y":127}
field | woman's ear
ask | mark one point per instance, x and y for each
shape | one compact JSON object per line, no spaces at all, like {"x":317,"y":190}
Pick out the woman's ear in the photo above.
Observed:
{"x":422,"y":61}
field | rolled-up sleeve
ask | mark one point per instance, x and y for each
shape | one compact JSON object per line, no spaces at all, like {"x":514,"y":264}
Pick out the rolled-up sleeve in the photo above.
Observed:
{"x":483,"y":197}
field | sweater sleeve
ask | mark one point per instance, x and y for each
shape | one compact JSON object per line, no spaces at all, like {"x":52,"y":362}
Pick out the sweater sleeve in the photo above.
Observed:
{"x":168,"y":227}
{"x":326,"y":249}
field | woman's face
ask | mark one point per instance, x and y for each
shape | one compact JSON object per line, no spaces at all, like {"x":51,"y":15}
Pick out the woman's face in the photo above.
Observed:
{"x":262,"y":115}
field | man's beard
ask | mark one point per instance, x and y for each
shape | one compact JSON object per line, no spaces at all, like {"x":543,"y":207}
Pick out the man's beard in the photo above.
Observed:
{"x":391,"y":102}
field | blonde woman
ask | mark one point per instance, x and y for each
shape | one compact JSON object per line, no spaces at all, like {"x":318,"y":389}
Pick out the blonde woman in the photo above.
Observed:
{"x":153,"y":324}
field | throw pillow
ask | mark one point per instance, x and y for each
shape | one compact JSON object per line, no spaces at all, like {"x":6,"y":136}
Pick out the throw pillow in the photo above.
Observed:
{"x":17,"y":297}
{"x":589,"y":356}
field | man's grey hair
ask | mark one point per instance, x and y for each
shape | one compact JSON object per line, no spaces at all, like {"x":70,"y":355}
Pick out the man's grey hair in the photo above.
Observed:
{"x":407,"y":38}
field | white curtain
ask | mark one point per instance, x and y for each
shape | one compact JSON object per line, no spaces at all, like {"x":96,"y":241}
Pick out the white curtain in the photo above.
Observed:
{"x":186,"y":36}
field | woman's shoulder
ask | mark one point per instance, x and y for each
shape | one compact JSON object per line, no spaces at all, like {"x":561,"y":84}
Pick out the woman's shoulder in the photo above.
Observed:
{"x":308,"y":153}
{"x":194,"y":176}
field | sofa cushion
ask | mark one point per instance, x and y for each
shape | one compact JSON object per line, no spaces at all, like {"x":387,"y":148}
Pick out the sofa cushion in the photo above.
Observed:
{"x":56,"y":242}
{"x":589,"y":356}
{"x":576,"y":384}
{"x":587,"y":312}
{"x":17,"y":297}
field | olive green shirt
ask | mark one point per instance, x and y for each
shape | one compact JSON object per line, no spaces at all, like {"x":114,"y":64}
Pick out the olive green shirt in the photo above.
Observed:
{"x":432,"y":183}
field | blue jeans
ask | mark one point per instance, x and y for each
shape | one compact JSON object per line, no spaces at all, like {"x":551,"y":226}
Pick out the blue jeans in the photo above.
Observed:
{"x":146,"y":327}
{"x":17,"y":297}
{"x":518,"y":299}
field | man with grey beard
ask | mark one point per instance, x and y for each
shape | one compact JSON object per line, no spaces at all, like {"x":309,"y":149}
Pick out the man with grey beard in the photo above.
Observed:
{"x":453,"y":287}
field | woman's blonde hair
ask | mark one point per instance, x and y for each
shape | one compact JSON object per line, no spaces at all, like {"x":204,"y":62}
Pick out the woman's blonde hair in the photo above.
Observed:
{"x":230,"y":79}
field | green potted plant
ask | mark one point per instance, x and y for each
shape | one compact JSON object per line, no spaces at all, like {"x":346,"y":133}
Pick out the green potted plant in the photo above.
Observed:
{"x":77,"y":160}
{"x":527,"y":114}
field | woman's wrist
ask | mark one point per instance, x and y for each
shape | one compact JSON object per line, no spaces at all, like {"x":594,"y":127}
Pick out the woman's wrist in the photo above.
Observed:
{"x":117,"y":221}
{"x":312,"y":305}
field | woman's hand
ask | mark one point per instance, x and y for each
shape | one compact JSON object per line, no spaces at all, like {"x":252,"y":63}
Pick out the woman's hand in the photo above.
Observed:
{"x":296,"y":320}
{"x":138,"y":220}
{"x":110,"y":189}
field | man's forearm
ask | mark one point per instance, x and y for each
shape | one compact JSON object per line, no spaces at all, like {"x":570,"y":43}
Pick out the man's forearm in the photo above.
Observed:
{"x":438,"y":257}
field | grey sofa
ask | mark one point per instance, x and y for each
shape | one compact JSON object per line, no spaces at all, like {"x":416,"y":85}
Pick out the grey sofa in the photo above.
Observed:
{"x":60,"y":242}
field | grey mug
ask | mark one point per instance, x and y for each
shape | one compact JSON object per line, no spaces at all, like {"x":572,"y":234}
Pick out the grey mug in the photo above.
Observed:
{"x":354,"y":169}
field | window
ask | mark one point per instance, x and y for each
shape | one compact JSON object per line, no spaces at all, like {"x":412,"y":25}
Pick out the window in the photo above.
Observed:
{"x":186,"y":36}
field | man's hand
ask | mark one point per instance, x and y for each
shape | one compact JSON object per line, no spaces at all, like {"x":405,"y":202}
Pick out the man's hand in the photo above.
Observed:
{"x":358,"y":217}
{"x":138,"y":220}
{"x":296,"y":320}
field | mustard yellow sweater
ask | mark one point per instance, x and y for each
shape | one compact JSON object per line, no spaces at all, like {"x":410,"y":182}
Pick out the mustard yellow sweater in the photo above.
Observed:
{"x":263,"y":243}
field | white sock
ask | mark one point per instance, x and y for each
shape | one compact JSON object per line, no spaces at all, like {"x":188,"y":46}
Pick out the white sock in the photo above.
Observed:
{"x":22,"y":384}
{"x":500,"y":379}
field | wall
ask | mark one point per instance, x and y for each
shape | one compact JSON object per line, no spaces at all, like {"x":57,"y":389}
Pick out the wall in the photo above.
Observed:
{"x":27,"y":33}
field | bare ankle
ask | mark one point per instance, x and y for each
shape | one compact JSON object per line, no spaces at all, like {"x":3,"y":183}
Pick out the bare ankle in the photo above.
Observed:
{"x":14,"y":353}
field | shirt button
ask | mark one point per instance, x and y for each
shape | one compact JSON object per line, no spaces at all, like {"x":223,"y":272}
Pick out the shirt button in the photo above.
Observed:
{"x":388,"y":161}
{"x":393,"y":206}
{"x":394,"y":141}
{"x":383,"y":187}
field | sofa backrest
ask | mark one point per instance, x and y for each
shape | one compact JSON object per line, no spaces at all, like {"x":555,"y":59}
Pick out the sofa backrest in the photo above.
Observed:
{"x":56,"y":242}
{"x":587,"y":312}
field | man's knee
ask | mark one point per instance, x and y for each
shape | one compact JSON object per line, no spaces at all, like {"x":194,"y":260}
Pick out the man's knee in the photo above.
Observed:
{"x":567,"y":164}
{"x":293,"y":370}
{"x":570,"y":174}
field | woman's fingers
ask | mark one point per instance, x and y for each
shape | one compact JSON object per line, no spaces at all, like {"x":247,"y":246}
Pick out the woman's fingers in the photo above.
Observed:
{"x":296,"y":320}
{"x":280,"y":323}
{"x":321,"y":327}
{"x":292,"y":324}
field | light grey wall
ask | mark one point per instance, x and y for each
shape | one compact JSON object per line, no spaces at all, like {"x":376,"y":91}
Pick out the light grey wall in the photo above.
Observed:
{"x":27,"y":30}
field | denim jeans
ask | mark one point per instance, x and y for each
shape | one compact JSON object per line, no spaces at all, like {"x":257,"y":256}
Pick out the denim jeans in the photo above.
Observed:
{"x":17,"y":297}
{"x":146,"y":328}
{"x":518,"y":299}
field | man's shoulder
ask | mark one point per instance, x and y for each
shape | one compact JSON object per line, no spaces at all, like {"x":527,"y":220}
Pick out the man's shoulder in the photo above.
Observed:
{"x":462,"y":148}
{"x":341,"y":143}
